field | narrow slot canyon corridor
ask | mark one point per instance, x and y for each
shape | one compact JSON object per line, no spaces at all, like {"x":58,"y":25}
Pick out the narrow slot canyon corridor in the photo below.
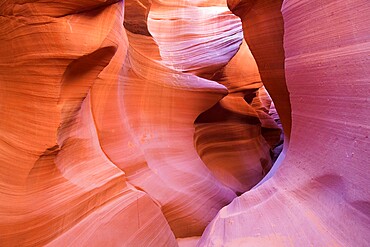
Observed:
{"x":190,"y":123}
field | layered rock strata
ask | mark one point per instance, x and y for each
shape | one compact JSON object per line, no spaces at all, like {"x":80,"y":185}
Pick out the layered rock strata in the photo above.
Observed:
{"x":319,"y":194}
{"x":135,"y":123}
{"x":98,"y":109}
{"x":56,"y":182}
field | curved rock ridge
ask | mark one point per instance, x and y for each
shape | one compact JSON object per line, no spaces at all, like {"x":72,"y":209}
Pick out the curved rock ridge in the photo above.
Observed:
{"x":263,"y":30}
{"x":201,"y":33}
{"x":98,"y":112}
{"x":140,"y":122}
{"x":55,"y":179}
{"x":319,"y":195}
{"x":150,"y":141}
{"x":229,"y":136}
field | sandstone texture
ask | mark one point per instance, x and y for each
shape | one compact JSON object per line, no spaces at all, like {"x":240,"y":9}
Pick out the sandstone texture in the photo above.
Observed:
{"x":184,"y":123}
{"x":319,"y":195}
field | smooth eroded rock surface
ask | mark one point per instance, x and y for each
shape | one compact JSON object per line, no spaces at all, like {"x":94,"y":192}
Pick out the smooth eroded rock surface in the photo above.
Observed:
{"x":140,"y":122}
{"x":319,"y":194}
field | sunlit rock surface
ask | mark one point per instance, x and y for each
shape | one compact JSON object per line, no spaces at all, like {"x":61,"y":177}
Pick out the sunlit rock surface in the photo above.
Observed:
{"x":319,"y":195}
{"x":136,"y":123}
{"x":56,"y":182}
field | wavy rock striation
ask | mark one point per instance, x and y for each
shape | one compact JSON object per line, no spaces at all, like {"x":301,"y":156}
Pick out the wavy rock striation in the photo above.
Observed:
{"x":319,"y":195}
{"x":134,"y":123}
{"x":56,"y":183}
{"x":97,"y":127}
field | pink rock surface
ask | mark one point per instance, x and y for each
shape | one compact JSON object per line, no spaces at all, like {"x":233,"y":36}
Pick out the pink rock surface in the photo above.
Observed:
{"x":138,"y":122}
{"x":319,"y":195}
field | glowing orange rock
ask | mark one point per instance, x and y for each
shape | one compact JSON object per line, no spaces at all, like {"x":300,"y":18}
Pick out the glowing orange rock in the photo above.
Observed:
{"x":135,"y":123}
{"x":55,"y":179}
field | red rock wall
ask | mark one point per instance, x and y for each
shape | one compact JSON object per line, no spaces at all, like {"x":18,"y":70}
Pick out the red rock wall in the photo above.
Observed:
{"x":134,"y":123}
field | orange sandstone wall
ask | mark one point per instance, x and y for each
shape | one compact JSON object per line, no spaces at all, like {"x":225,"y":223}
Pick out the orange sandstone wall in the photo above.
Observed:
{"x":57,"y":185}
{"x":133,"y":123}
{"x":98,"y":102}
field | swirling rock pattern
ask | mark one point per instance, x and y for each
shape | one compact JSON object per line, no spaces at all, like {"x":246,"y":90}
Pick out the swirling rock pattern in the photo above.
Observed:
{"x":134,"y":123}
{"x":56,"y":183}
{"x":319,"y":195}
{"x":263,"y":30}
